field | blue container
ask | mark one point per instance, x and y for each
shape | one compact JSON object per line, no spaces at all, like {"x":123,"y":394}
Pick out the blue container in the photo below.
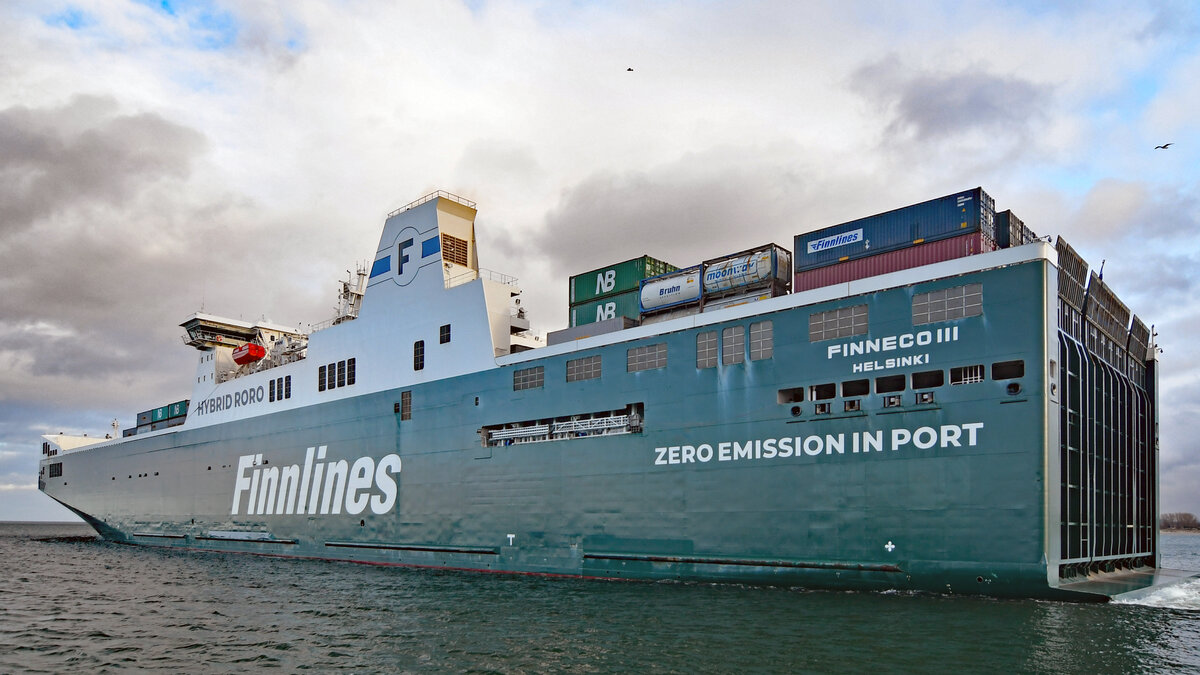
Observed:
{"x":950,"y":216}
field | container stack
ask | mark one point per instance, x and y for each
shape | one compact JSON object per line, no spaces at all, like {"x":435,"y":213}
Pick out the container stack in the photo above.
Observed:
{"x":940,"y":229}
{"x":160,"y":418}
{"x":610,"y":292}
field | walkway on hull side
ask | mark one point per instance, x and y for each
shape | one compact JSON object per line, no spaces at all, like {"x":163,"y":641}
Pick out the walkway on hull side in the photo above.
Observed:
{"x":1130,"y":585}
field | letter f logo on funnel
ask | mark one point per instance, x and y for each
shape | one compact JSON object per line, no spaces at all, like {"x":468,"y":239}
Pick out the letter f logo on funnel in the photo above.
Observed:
{"x":411,"y":253}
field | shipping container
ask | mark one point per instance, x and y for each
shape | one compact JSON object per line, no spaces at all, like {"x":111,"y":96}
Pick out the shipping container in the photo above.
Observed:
{"x":143,"y":418}
{"x":167,"y":412}
{"x":1010,"y":231}
{"x":615,"y":279}
{"x":954,"y":215}
{"x":906,"y":258}
{"x":558,"y":337}
{"x":768,"y":266}
{"x":625,"y":304}
{"x":178,"y":409}
{"x":671,"y":290}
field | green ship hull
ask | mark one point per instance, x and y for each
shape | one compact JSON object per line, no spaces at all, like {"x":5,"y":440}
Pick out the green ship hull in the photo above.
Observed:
{"x":963,"y":427}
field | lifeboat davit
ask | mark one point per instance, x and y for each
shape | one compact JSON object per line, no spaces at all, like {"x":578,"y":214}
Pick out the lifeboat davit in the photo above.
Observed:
{"x":248,"y":353}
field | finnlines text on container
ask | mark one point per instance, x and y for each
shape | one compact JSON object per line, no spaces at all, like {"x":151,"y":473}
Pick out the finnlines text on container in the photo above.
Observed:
{"x":851,"y":237}
{"x":855,"y":443}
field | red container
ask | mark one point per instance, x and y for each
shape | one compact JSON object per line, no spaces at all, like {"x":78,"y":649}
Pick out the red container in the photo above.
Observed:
{"x":925,"y":253}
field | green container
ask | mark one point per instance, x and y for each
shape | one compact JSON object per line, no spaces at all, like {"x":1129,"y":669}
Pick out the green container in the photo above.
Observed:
{"x":624,"y":304}
{"x":178,"y":409}
{"x":166,"y":412}
{"x":615,"y":279}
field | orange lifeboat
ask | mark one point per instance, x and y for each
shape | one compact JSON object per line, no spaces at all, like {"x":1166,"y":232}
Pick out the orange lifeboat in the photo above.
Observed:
{"x":248,"y":353}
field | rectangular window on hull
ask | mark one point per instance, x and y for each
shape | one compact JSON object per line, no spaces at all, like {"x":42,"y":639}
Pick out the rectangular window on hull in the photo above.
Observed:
{"x":56,"y":470}
{"x":406,"y":405}
{"x":966,"y":374}
{"x":587,"y":368}
{"x":419,"y":355}
{"x":856,"y":388}
{"x":947,"y":304}
{"x":762,"y":340}
{"x":928,"y":379}
{"x":271,"y":392}
{"x":793,"y":395}
{"x":821,"y":392}
{"x":1008,"y":370}
{"x":889,"y":383}
{"x":706,"y":349}
{"x":837,"y":323}
{"x":733,"y":345}
{"x":332,"y":376}
{"x":646,"y":358}
{"x":529,"y":378}
{"x":444,"y":334}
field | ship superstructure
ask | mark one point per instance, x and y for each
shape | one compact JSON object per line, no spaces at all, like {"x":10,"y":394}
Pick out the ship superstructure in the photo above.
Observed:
{"x":922,"y":399}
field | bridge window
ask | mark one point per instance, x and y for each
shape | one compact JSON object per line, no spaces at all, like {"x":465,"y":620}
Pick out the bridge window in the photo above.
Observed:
{"x":56,"y":470}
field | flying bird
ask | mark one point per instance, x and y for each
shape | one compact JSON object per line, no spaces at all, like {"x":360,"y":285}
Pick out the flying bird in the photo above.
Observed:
{"x":1164,"y":146}
{"x":630,"y":70}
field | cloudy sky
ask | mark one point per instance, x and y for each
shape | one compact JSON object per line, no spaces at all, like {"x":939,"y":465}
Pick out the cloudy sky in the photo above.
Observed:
{"x":161,"y":157}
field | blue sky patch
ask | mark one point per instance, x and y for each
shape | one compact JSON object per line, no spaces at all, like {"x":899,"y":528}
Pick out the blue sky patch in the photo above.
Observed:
{"x":72,"y":17}
{"x":210,"y":26}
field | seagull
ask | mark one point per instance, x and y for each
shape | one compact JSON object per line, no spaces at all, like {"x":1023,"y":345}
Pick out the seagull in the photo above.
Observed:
{"x":1164,"y":146}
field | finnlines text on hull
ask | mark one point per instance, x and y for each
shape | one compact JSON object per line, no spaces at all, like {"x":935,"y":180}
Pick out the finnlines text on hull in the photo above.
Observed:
{"x":319,"y":488}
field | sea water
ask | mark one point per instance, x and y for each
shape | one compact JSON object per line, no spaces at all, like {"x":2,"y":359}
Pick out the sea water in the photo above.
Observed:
{"x":72,"y":603}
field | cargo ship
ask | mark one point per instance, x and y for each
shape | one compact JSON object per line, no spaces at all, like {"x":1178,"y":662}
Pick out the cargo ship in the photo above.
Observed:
{"x":932,"y":399}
